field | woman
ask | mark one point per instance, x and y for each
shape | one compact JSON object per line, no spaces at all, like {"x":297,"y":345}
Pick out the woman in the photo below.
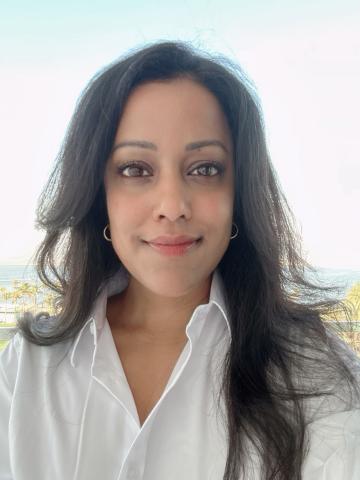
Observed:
{"x":190,"y":361}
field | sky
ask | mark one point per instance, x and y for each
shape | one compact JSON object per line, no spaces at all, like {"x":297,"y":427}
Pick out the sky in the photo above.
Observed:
{"x":303,"y":57}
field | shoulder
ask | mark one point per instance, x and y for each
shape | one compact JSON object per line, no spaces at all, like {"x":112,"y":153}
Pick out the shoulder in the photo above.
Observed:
{"x":339,"y":372}
{"x":334,"y":447}
{"x":325,"y":372}
{"x":9,"y":361}
{"x":21,"y":357}
{"x":329,"y":370}
{"x":342,"y":377}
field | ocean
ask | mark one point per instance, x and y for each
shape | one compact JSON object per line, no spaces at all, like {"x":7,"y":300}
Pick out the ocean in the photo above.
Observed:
{"x":27,"y":273}
{"x":23,"y":273}
{"x":344,"y":279}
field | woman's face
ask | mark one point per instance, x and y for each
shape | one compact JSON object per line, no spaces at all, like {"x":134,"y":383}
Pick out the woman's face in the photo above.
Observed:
{"x":172,"y":189}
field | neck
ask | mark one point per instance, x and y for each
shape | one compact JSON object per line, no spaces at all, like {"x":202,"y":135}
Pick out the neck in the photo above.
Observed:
{"x":138,"y":310}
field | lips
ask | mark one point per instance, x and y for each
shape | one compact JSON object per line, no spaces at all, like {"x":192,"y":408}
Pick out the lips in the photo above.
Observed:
{"x":175,"y":250}
{"x":173,"y":240}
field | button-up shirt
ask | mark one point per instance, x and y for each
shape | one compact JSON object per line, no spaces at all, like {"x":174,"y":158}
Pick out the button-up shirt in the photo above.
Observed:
{"x":67,"y":411}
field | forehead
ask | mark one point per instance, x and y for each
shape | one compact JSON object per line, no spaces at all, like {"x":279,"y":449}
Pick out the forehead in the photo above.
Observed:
{"x":180,"y":103}
{"x":181,"y":87}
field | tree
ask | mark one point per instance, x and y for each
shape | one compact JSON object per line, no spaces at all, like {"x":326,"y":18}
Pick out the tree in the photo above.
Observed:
{"x":5,"y":295}
{"x":353,"y":300}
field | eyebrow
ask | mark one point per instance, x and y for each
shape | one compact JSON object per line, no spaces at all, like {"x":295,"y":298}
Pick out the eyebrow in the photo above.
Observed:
{"x":188,"y":147}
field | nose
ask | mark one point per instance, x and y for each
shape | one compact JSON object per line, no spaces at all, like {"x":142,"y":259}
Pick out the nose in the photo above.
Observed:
{"x":172,"y":198}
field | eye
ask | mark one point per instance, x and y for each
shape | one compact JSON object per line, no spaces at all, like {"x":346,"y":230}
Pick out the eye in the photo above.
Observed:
{"x":218,"y":167}
{"x":206,"y":166}
{"x":131,"y":166}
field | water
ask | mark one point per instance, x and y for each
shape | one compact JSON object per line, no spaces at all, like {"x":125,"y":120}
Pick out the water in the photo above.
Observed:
{"x":23,"y":273}
{"x":27,"y":273}
{"x":344,"y":279}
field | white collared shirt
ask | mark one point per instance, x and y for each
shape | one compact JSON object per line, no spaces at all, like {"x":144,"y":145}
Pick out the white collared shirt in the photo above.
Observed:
{"x":67,"y":412}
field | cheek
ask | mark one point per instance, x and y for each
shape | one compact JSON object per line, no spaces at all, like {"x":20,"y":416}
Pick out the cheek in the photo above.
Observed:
{"x":115,"y":207}
{"x":218,"y":209}
{"x":124,"y":212}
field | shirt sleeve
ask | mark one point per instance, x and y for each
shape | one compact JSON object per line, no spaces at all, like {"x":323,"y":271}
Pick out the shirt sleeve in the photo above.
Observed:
{"x":8,"y":371}
{"x":334,"y":451}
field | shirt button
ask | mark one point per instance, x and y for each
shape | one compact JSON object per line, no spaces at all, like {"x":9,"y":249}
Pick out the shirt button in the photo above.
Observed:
{"x":133,"y":473}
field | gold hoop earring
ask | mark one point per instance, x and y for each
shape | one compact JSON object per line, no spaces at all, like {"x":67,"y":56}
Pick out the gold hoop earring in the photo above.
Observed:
{"x":236,"y":234}
{"x":104,"y":233}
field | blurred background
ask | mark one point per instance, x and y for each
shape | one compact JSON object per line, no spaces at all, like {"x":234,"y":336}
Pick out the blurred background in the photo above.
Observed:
{"x":303,"y":57}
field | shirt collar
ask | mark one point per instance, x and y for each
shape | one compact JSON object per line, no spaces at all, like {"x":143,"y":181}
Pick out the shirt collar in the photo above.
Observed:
{"x":118,"y":283}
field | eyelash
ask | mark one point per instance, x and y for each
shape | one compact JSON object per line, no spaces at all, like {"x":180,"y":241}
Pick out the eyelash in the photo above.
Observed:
{"x":220,"y":168}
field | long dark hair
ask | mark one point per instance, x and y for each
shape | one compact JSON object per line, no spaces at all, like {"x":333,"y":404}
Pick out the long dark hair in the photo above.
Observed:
{"x":279,"y":338}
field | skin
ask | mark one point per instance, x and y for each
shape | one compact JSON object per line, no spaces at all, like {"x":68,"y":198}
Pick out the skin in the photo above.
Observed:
{"x":168,"y":196}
